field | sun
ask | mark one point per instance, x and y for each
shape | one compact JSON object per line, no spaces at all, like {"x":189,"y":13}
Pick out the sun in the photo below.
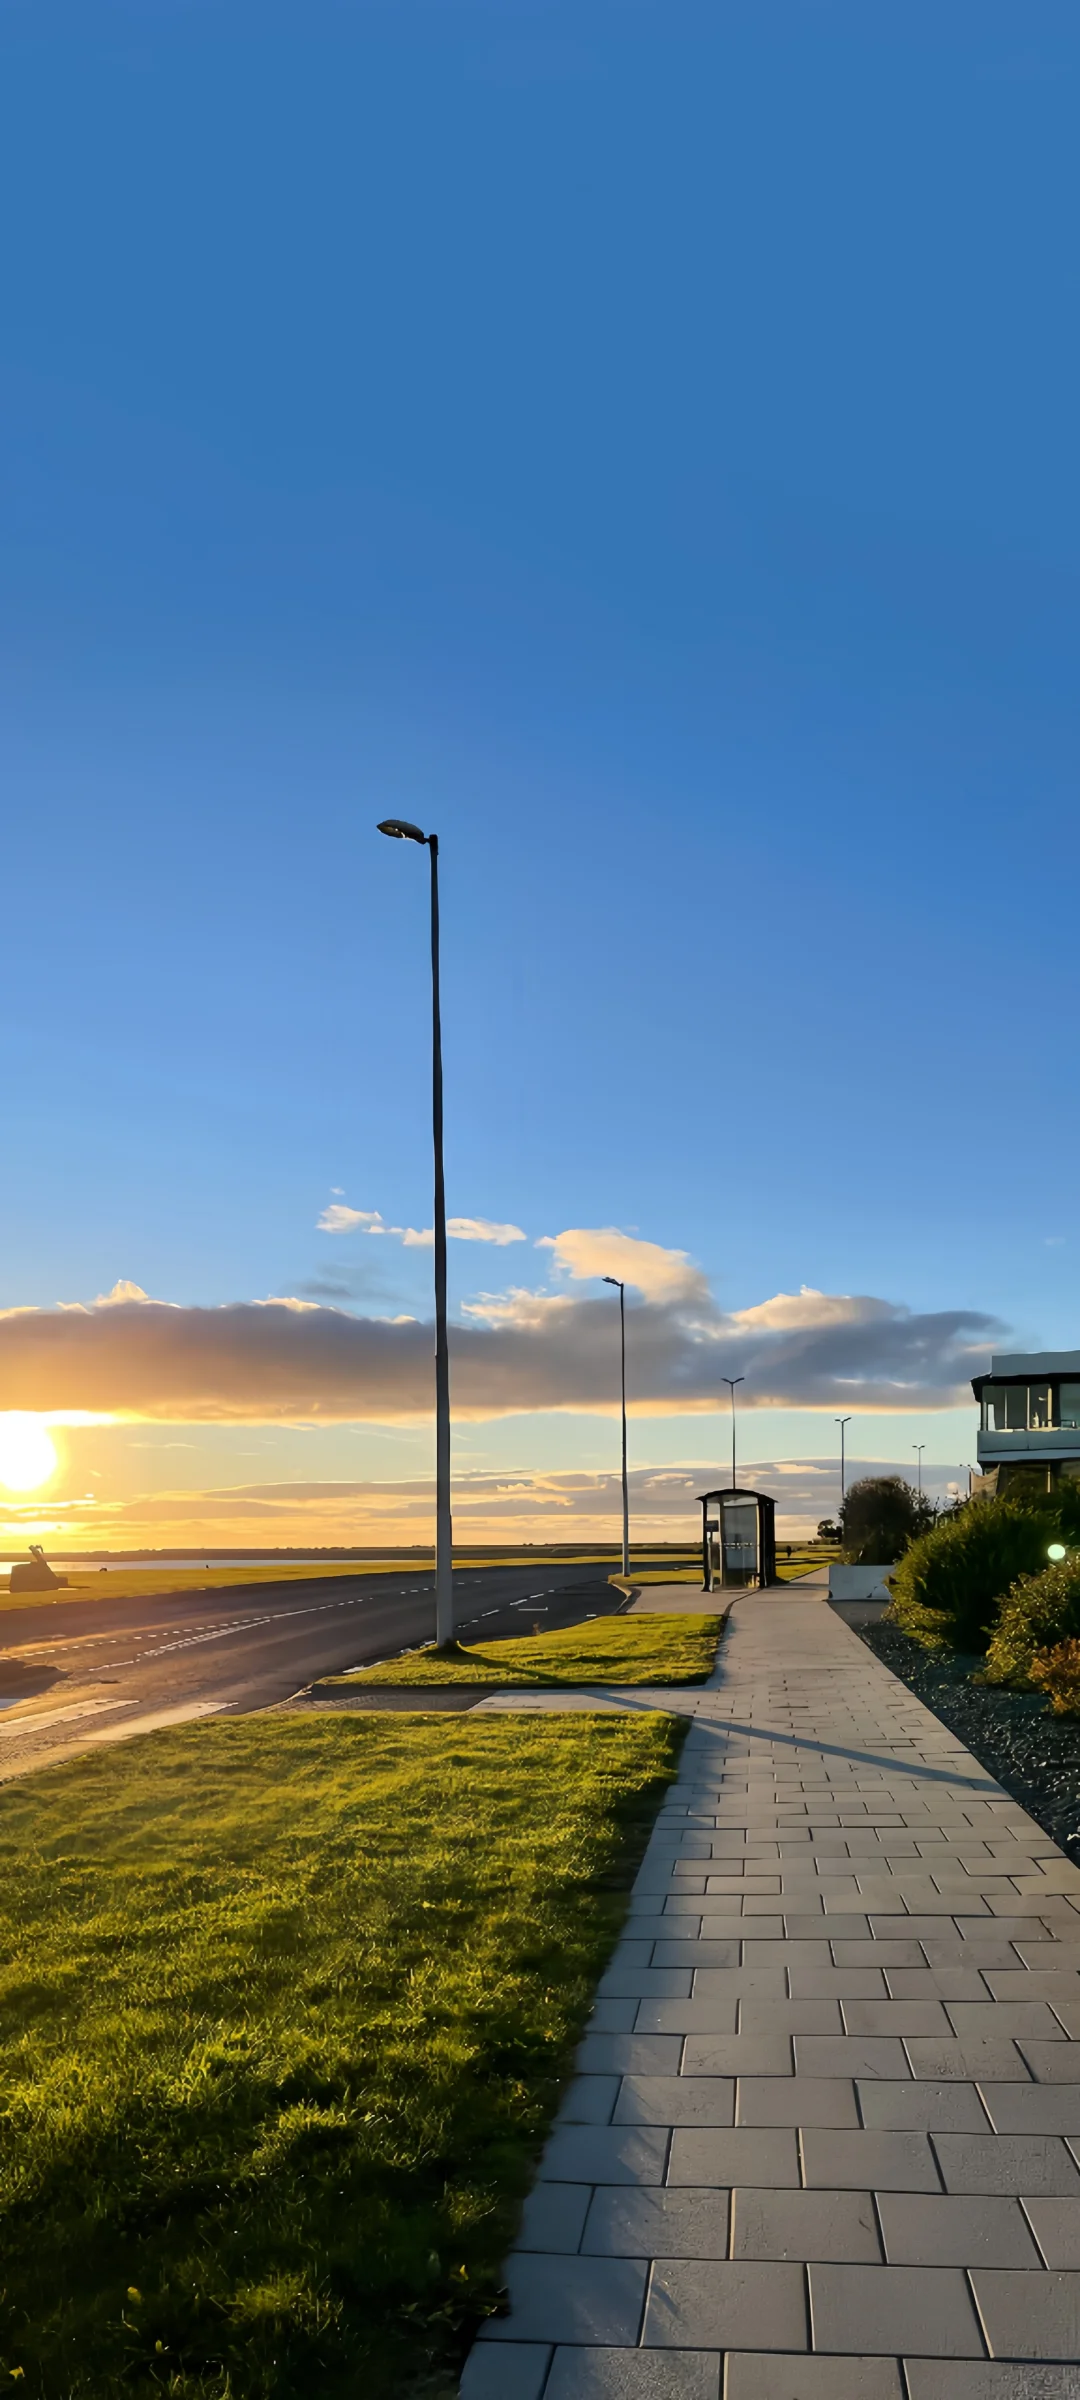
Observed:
{"x":27,"y":1454}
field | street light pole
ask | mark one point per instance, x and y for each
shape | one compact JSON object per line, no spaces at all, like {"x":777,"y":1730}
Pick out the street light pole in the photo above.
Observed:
{"x":621,"y":1289}
{"x":732,"y":1381}
{"x":919,"y":1447}
{"x":400,"y":831}
{"x":842,"y":1421}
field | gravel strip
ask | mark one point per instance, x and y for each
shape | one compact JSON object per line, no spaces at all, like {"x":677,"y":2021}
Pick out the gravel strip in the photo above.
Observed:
{"x":1035,"y":1755}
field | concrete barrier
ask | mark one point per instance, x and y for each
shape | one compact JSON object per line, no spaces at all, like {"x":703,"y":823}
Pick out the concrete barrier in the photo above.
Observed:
{"x":858,"y":1583}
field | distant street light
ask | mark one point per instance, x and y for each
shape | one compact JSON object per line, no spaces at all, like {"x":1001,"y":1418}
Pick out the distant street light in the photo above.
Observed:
{"x":732,"y":1381}
{"x":399,"y":831}
{"x":842,"y":1421}
{"x":621,"y":1289}
{"x":920,"y":1447}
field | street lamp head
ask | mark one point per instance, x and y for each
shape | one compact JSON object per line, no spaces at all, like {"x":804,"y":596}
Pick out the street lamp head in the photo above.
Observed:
{"x":400,"y":831}
{"x":612,"y":1279}
{"x":1056,"y":1551}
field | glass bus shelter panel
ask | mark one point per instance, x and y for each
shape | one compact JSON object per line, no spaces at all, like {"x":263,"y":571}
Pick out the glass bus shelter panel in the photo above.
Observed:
{"x":739,"y":1540}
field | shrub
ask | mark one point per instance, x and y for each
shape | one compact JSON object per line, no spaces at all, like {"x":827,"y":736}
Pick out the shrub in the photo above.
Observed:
{"x":1038,"y":1612}
{"x":947,"y":1586}
{"x":880,"y":1516}
{"x":1057,"y":1673}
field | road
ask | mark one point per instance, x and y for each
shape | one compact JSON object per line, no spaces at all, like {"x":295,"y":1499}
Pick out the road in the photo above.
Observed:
{"x":76,"y":1673}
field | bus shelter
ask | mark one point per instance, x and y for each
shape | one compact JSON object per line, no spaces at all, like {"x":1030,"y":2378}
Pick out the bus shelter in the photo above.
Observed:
{"x":738,"y":1539}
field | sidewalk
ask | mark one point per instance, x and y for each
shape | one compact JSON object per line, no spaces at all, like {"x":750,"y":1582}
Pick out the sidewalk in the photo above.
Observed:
{"x":823,"y":2143}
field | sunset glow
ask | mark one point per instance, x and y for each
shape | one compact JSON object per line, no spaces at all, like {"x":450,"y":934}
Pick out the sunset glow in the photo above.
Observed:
{"x":27,"y":1453}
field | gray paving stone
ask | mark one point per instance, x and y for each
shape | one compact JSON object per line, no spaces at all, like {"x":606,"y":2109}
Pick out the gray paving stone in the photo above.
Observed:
{"x":936,"y":1983}
{"x":634,"y":2375}
{"x":747,"y":2154}
{"x":1051,"y":2062}
{"x":850,"y":2054}
{"x":553,"y":2217}
{"x":1032,"y":2165}
{"x":940,"y":2379}
{"x":905,"y":1953}
{"x":1029,"y":2316}
{"x":925,"y":2107}
{"x":753,"y":2377}
{"x":795,"y":2100}
{"x":702,"y":2014}
{"x":657,"y":2224}
{"x":570,"y":2300}
{"x":968,"y":2061}
{"x":1056,"y":2225}
{"x":758,"y":2014}
{"x":804,"y":2225}
{"x":1033,"y":2107}
{"x":605,"y":2154}
{"x":1020,"y":2019}
{"x":645,"y":1983}
{"x":868,"y":2162}
{"x":932,"y":2229}
{"x":588,"y":2100}
{"x":847,"y":1927}
{"x":745,"y":2305}
{"x":737,"y":2054}
{"x":516,"y":2371}
{"x":676,"y":2100}
{"x":613,"y":2016}
{"x":1045,"y":1982}
{"x":629,"y":2054}
{"x":895,"y":2016}
{"x":702,"y":1955}
{"x":867,"y":2309}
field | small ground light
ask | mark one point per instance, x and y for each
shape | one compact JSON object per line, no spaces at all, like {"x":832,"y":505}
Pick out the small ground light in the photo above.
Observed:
{"x":1056,"y":1550}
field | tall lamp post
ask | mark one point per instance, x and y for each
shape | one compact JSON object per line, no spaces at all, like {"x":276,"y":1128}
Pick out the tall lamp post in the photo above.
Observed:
{"x":919,"y":1447}
{"x":732,"y":1381}
{"x":621,"y":1289}
{"x":842,"y":1421}
{"x":399,"y":831}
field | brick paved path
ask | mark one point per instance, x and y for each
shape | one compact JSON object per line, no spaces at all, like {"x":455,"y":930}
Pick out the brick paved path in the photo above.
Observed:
{"x":823,"y":2143}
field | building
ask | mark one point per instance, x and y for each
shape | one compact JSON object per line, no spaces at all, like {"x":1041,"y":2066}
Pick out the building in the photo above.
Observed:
{"x":1029,"y":1420}
{"x":738,"y":1538}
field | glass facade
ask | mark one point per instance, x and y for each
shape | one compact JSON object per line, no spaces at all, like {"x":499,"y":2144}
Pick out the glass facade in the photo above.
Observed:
{"x":1031,"y":1407}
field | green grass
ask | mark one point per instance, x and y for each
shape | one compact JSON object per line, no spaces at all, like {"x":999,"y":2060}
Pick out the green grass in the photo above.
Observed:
{"x":284,"y":2008}
{"x":606,"y":1650}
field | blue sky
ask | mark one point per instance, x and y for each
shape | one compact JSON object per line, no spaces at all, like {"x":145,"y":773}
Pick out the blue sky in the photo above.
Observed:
{"x":638,"y":441}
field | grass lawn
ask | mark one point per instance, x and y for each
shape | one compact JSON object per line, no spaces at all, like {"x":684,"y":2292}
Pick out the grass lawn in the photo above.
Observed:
{"x":605,"y":1650}
{"x":154,"y":1583}
{"x":285,"y":2006}
{"x":118,"y":1582}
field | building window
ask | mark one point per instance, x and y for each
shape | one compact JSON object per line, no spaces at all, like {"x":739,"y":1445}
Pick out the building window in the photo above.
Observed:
{"x":1040,"y":1407}
{"x":1069,"y":1412}
{"x":1016,"y":1408}
{"x":993,"y":1408}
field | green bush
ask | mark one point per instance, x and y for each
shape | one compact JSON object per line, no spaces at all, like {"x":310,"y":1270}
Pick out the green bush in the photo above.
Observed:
{"x":880,"y":1516}
{"x":947,"y":1586}
{"x":1057,"y":1673}
{"x":1036,"y":1614}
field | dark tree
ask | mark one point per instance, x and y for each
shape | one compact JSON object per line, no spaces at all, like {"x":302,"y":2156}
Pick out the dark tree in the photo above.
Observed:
{"x":880,"y":1516}
{"x":827,"y":1531}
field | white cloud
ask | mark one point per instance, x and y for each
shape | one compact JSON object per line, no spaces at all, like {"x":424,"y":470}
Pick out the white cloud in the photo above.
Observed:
{"x":481,"y":1229}
{"x":336,"y":1218}
{"x":790,"y":1312}
{"x":121,"y":1294}
{"x":517,"y":1352}
{"x":585,"y":1252}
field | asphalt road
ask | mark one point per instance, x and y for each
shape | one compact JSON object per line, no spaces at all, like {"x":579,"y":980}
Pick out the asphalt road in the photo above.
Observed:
{"x":76,"y":1673}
